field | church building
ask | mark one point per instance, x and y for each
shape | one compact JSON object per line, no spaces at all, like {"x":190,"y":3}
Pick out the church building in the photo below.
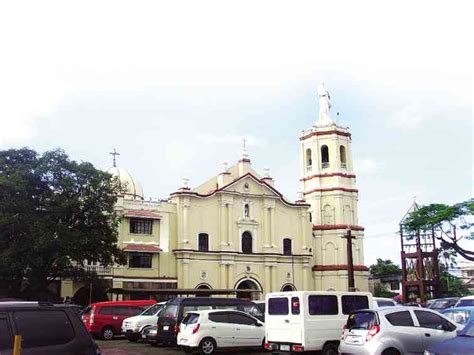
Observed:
{"x":236,"y":234}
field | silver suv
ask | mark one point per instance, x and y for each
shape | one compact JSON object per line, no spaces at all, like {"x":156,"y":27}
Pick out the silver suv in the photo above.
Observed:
{"x":394,"y":330}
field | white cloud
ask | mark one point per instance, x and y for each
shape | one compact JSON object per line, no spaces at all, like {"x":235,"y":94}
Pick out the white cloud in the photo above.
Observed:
{"x":53,"y":49}
{"x":366,"y":166}
{"x":409,"y":118}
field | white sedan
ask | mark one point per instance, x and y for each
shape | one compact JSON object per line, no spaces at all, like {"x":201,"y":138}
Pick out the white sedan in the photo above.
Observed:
{"x":211,"y":329}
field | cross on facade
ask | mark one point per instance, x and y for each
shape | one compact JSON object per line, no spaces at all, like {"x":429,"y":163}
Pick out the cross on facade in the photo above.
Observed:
{"x":114,"y":154}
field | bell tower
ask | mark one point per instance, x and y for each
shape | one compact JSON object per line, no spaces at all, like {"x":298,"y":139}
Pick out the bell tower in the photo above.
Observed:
{"x":329,"y":186}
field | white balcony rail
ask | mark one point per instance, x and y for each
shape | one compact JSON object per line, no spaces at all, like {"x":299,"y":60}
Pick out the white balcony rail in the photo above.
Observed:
{"x":343,"y":165}
{"x":325,"y":165}
{"x":99,"y":269}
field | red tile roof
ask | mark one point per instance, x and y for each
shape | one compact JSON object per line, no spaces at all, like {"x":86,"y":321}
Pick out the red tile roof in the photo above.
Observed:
{"x":143,"y":247}
{"x":142,"y":214}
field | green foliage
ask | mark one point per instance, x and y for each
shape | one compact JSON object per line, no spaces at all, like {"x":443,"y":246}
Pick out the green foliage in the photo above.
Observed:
{"x":380,"y":291}
{"x":452,"y":286}
{"x":384,"y":268}
{"x":445,"y":220}
{"x":54,"y":214}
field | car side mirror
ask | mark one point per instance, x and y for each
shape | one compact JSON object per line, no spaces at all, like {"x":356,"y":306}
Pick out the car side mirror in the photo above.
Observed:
{"x":447,"y":327}
{"x":258,"y":324}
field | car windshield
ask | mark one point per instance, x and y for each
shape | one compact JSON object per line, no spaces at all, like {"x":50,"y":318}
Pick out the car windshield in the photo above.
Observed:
{"x":468,"y":330}
{"x":361,"y":320}
{"x":465,"y":303}
{"x":151,"y":311}
{"x":458,"y":316}
{"x":439,"y":304}
{"x":170,"y":311}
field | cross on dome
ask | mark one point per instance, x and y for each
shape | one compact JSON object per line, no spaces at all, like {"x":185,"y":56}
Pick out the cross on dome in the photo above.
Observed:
{"x":114,"y":154}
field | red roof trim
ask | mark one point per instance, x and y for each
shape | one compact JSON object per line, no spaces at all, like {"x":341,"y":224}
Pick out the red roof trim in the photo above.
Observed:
{"x":142,"y":214}
{"x":339,"y":267}
{"x":249,"y":174}
{"x":325,"y":227}
{"x":345,"y":189}
{"x":325,"y":133}
{"x":344,"y":175}
{"x":142,"y":247}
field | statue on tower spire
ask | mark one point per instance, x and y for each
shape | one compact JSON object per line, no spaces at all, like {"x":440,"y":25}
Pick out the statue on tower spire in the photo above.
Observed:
{"x":324,"y":106}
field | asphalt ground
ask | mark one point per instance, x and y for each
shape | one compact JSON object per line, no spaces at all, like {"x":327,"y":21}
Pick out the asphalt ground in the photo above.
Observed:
{"x":121,"y":346}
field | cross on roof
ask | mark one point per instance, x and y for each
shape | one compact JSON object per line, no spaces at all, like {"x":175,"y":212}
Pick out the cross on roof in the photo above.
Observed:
{"x":114,"y":154}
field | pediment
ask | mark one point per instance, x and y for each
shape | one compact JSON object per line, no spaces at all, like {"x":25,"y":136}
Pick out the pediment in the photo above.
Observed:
{"x":250,"y":185}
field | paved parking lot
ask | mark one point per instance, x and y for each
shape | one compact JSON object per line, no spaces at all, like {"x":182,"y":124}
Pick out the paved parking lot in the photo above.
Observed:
{"x":124,"y":347}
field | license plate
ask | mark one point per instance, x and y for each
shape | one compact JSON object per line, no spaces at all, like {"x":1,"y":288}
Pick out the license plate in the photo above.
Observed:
{"x":284,"y":347}
{"x":351,"y":339}
{"x":166,"y":327}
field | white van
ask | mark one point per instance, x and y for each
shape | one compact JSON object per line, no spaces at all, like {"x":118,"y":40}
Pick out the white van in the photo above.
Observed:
{"x":309,"y":320}
{"x":133,"y":326}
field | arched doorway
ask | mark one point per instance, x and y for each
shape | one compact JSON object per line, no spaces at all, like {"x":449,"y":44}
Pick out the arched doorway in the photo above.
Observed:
{"x":288,"y":288}
{"x":248,"y":284}
{"x":247,"y":241}
{"x":203,"y":286}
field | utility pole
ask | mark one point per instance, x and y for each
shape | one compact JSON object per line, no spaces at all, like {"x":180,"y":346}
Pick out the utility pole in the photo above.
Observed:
{"x":350,"y":262}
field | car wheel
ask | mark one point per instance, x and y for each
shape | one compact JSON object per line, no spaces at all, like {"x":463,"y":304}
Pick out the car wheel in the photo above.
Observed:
{"x":330,"y":349}
{"x":391,"y":351}
{"x":207,"y":346}
{"x":107,"y":333}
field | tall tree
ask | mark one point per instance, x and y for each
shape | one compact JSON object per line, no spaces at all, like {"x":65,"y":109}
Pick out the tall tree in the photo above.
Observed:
{"x":384,"y":268}
{"x":445,"y":221}
{"x":54,"y":214}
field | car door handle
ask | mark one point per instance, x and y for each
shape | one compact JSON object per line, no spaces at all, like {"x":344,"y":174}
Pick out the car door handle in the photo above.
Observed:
{"x":287,"y":321}
{"x":213,"y":327}
{"x":427,"y":334}
{"x":238,"y":329}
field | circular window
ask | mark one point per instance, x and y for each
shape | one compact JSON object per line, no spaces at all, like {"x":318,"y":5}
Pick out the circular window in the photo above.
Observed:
{"x":246,"y":186}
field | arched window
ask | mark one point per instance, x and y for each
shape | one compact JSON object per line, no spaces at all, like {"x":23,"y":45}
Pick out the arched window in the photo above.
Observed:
{"x":203,"y":242}
{"x":288,"y":288}
{"x":247,"y":243}
{"x":342,"y":154}
{"x":309,"y":159}
{"x":325,"y":156}
{"x":287,"y":246}
{"x":327,"y":214}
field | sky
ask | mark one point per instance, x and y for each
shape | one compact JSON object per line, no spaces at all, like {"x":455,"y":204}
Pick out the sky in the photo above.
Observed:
{"x":174,"y":86}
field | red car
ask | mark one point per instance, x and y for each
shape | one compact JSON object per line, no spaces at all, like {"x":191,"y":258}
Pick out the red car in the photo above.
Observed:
{"x":104,"y":319}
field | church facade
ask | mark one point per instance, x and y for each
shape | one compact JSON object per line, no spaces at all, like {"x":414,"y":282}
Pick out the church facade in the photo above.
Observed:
{"x":236,"y":231}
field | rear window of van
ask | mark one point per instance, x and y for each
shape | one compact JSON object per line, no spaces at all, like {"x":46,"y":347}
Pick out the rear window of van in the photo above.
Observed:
{"x":322,"y":305}
{"x":354,"y":303}
{"x":278,"y":306}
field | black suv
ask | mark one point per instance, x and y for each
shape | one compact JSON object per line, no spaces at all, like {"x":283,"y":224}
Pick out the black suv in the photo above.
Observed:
{"x":45,"y":329}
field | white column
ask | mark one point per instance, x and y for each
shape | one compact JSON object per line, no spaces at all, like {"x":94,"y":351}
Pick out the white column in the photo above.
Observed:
{"x":186,"y":223}
{"x":230,"y":275}
{"x":223,"y":224}
{"x":272,"y":226}
{"x":223,"y":281}
{"x":229,"y":223}
{"x":274,"y":280}
{"x":267,"y":280}
{"x":186,"y":274}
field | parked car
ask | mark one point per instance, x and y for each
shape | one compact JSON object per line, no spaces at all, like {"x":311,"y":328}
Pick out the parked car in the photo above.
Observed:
{"x":309,"y":320}
{"x":383,"y":302}
{"x":394,"y":330}
{"x":45,"y":329}
{"x":174,"y":311}
{"x":207,"y":331}
{"x":104,"y":319}
{"x":459,"y":315}
{"x":133,"y":327}
{"x":442,"y":303}
{"x":465,"y":301}
{"x":463,"y":343}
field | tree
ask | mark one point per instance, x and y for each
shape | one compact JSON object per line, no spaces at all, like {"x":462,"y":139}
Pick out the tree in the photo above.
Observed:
{"x":54,"y":214}
{"x":445,"y":220}
{"x":452,"y":286}
{"x":384,"y":268}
